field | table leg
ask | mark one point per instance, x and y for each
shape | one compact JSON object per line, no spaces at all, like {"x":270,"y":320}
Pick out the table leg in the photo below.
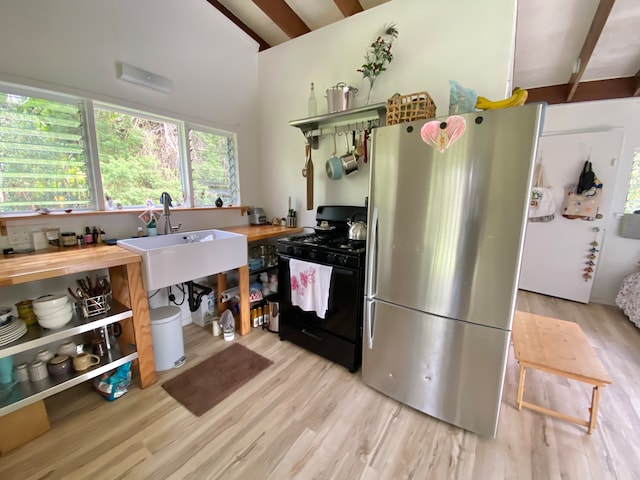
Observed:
{"x":521,"y":387}
{"x":127,"y":288}
{"x":243,"y":279}
{"x":222,"y":286}
{"x":593,"y":417}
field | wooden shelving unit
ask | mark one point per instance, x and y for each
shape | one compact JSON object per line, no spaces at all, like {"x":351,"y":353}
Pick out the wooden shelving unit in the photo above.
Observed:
{"x":130,"y":307}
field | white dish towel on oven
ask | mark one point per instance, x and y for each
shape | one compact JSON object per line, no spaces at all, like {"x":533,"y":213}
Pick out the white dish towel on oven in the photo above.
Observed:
{"x":310,"y":284}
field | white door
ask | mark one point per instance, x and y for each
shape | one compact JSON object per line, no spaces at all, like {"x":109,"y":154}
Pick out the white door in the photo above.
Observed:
{"x":556,"y":253}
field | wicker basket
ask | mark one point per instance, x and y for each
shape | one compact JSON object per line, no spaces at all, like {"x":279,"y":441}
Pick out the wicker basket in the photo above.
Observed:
{"x":406,"y":108}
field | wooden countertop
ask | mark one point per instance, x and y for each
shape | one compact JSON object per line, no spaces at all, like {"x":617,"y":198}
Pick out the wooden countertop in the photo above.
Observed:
{"x":262,"y":232}
{"x":56,"y":261}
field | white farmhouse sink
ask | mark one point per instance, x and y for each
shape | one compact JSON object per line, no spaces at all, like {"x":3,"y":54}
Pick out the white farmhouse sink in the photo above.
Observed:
{"x":180,"y":257}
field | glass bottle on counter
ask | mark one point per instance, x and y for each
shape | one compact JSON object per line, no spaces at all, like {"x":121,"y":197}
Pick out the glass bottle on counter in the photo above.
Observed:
{"x":313,"y":103}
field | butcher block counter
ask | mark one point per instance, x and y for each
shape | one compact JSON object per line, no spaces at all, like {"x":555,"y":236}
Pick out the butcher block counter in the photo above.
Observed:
{"x":263,"y":232}
{"x":126,"y":284}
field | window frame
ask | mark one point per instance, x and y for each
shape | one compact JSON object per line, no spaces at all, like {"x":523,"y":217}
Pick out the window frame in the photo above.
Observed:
{"x":215,"y":131}
{"x":87,"y":108}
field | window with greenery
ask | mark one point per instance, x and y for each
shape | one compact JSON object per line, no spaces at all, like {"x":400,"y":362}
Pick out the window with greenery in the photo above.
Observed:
{"x":213,"y":171}
{"x":633,"y":193}
{"x":139,"y":158}
{"x":45,"y":162}
{"x":42,"y":154}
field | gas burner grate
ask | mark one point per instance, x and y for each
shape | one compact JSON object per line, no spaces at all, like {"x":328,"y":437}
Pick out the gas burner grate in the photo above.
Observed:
{"x":352,"y":244}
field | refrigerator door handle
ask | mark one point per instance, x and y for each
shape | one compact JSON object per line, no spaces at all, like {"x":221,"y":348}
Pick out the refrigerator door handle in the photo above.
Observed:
{"x":372,"y":257}
{"x":368,"y":323}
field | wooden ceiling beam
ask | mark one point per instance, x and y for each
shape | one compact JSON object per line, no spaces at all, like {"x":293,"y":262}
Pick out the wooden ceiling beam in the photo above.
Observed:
{"x":263,"y":45}
{"x":636,"y":91}
{"x":597,"y":25}
{"x":283,"y":16}
{"x":348,"y":7}
{"x":589,"y":91}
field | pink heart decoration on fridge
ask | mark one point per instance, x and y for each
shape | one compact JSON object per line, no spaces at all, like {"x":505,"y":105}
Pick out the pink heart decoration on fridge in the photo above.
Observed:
{"x":441,"y":135}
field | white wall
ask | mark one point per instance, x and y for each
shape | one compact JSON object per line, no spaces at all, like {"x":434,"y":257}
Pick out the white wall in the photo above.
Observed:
{"x":439,"y":40}
{"x":618,"y":255}
{"x":73,"y":46}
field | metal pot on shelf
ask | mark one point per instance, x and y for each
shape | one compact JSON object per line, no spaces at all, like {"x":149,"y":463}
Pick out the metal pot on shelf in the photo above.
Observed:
{"x":340,"y":97}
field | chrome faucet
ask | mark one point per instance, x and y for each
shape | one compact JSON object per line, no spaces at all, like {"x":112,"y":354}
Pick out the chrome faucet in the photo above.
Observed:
{"x":165,"y":200}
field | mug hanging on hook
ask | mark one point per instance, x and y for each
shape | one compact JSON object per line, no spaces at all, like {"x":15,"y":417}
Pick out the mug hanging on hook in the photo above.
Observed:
{"x":333,"y":167}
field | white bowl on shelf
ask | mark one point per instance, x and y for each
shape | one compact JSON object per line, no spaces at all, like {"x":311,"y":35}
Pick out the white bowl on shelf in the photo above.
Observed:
{"x":51,"y":308}
{"x":56,"y":320}
{"x":44,"y":312}
{"x":51,"y":301}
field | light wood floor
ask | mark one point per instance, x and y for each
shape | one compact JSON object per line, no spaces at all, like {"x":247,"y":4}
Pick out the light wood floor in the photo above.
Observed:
{"x":307,"y":418}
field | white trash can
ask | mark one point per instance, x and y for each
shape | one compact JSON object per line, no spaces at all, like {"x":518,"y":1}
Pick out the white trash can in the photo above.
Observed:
{"x":166,"y":332}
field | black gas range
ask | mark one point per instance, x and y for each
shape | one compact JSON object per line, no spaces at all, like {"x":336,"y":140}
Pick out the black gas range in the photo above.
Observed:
{"x":333,"y":248}
{"x":336,"y":333}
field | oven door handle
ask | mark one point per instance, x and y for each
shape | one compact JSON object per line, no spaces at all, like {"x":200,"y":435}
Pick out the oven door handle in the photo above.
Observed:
{"x":312,"y":335}
{"x":372,"y":256}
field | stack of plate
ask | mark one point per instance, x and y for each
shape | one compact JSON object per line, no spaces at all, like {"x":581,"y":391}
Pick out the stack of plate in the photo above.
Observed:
{"x":12,"y":331}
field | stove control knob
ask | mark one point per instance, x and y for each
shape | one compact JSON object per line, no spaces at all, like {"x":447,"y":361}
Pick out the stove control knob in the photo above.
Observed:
{"x":297,"y":251}
{"x":343,"y":260}
{"x":331,"y":257}
{"x":312,"y":254}
{"x":289,"y":250}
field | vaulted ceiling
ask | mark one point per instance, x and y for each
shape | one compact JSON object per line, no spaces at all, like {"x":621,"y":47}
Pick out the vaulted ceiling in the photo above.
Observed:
{"x":566,"y":50}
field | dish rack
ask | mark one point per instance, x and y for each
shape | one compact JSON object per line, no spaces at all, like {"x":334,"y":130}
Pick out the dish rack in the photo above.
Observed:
{"x":97,"y":305}
{"x":406,"y":108}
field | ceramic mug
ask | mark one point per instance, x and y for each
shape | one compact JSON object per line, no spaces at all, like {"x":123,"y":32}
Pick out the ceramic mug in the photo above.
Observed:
{"x":21,"y":372}
{"x":85,"y":360}
{"x":59,"y":365}
{"x":37,"y":370}
{"x":68,"y":348}
{"x":6,"y":370}
{"x":44,"y":355}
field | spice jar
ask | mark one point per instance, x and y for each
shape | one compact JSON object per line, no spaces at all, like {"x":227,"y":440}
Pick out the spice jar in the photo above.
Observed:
{"x":25,"y":312}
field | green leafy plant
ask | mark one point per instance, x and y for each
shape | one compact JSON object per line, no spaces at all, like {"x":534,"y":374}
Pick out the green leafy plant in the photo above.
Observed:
{"x":378,"y":55}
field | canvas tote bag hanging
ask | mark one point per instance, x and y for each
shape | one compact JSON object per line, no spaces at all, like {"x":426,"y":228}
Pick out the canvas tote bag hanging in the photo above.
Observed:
{"x":582,"y":199}
{"x":542,"y":208}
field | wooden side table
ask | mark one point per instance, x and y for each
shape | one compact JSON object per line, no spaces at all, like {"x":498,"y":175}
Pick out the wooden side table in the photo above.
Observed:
{"x":558,"y":347}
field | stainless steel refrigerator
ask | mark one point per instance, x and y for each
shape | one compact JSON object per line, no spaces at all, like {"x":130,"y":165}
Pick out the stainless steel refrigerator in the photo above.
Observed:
{"x":448,"y":204}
